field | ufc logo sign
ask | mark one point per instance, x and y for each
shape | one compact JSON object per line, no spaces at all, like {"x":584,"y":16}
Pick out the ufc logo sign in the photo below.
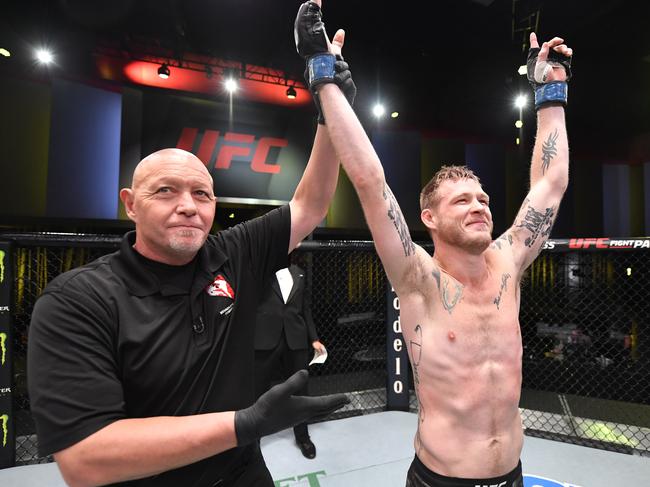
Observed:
{"x":585,"y":243}
{"x":229,"y":146}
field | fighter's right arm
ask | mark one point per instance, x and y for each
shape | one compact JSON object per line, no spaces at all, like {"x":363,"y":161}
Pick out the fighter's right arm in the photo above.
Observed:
{"x":399,"y":255}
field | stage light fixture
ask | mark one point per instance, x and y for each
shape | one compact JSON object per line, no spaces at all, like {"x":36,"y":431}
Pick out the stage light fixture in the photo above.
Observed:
{"x":394,"y":115}
{"x":44,"y":56}
{"x":378,"y":110}
{"x":163,"y":71}
{"x":4,"y":52}
{"x":291,"y":93}
{"x":520,"y":101}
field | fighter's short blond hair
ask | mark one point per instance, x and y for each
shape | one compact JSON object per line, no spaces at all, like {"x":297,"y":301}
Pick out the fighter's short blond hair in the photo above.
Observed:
{"x":428,"y":196}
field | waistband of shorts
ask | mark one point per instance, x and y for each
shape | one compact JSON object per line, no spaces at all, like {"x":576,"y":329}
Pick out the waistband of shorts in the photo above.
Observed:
{"x":432,"y":477}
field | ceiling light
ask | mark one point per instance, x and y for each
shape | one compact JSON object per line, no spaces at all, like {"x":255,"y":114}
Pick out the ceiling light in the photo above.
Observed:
{"x":394,"y":115}
{"x":4,"y":52}
{"x":378,"y":110}
{"x":44,"y":56}
{"x":523,"y":69}
{"x":291,"y":93}
{"x":519,"y":124}
{"x":520,"y":101}
{"x":231,"y":85}
{"x":163,"y":71}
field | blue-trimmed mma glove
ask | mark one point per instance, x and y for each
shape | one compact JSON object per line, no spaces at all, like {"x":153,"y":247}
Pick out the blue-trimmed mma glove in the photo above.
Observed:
{"x":322,"y":66}
{"x":547,"y":92}
{"x":278,"y":409}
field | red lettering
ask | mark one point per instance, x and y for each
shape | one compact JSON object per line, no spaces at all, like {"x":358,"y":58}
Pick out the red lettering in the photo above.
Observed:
{"x":208,"y":143}
{"x":186,"y":140}
{"x":262,"y":152}
{"x":228,"y":152}
{"x":602,"y":243}
{"x":575,"y":243}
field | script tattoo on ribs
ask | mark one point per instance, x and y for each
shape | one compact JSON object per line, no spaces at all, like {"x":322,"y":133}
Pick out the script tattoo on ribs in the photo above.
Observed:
{"x":504,"y":287}
{"x":549,"y":150}
{"x":448,"y":301}
{"x":395,"y":214}
{"x":538,"y":223}
{"x":416,"y":356}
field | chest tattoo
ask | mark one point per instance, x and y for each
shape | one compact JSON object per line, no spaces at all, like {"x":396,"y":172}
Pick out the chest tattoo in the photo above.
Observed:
{"x":450,"y":292}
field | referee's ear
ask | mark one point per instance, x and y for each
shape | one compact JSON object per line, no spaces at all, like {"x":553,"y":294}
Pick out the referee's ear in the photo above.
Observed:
{"x":126,"y":195}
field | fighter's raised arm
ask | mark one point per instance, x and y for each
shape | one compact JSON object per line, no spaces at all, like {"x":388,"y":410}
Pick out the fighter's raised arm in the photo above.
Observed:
{"x":399,"y":255}
{"x":548,"y":72}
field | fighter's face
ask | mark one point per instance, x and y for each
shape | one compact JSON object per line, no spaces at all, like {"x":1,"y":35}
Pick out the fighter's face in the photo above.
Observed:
{"x":463,"y":215}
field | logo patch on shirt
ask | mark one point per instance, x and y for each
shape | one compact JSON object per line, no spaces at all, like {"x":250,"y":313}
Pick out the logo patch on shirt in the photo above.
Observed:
{"x":220,"y":287}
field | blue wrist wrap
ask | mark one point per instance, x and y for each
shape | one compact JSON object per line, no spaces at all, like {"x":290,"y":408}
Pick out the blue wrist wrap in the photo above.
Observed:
{"x":321,"y":69}
{"x":553,"y":92}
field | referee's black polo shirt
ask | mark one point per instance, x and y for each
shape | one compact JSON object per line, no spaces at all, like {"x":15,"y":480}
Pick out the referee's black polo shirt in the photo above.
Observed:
{"x":108,"y":342}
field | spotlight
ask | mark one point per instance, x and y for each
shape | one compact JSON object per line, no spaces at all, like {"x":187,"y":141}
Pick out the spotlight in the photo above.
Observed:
{"x":230,"y":77}
{"x":163,"y":71}
{"x":519,"y":124}
{"x":523,"y":69}
{"x":520,"y":101}
{"x":394,"y":115}
{"x":231,"y":85}
{"x":44,"y":56}
{"x":4,"y":52}
{"x":291,"y":92}
{"x":378,"y":110}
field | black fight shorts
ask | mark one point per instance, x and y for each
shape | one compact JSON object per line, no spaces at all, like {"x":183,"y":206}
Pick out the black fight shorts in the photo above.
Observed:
{"x":421,"y":476}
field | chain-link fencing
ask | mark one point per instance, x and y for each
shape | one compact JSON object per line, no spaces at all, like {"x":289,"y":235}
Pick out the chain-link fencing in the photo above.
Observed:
{"x":585,"y":317}
{"x":586,"y":364}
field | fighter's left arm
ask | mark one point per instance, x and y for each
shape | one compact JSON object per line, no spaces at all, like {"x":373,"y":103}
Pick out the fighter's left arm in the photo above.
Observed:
{"x":549,"y":68}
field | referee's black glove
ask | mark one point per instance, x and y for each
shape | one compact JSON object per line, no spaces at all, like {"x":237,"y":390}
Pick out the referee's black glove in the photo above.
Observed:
{"x":278,"y":409}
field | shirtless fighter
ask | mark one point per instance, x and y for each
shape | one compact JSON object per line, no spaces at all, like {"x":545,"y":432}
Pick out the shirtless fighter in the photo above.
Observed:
{"x":459,"y":308}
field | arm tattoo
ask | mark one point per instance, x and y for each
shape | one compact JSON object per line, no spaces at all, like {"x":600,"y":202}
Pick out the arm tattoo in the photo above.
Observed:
{"x":448,"y":301}
{"x":537,"y":223}
{"x":395,"y":214}
{"x":549,"y":150}
{"x":504,"y":287}
{"x":506,"y":237}
{"x":416,"y":356}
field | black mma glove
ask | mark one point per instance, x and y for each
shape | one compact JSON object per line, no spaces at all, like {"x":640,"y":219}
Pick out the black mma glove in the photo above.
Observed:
{"x":322,"y":66}
{"x":554,"y":91}
{"x":278,"y":409}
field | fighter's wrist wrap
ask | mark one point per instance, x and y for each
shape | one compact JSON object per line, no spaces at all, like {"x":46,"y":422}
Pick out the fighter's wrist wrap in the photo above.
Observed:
{"x":553,"y":92}
{"x":320,"y":69}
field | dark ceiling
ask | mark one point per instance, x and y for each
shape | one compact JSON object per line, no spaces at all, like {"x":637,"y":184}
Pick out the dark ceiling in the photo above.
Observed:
{"x":445,"y":65}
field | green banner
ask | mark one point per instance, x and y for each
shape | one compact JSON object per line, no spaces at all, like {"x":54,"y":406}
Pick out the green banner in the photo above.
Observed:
{"x":7,"y":438}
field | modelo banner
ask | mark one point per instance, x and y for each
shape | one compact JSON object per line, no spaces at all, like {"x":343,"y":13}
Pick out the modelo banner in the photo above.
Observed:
{"x":7,"y":440}
{"x":397,"y":361}
{"x":256,"y":153}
